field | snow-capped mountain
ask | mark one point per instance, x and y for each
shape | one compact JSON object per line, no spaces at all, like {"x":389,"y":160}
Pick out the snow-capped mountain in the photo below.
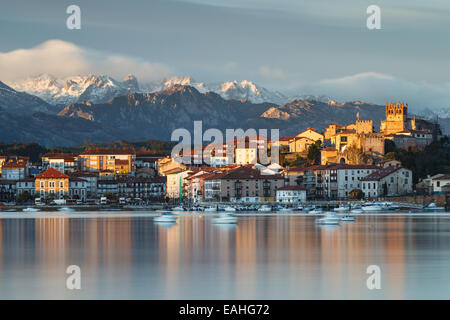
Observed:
{"x":236,"y":90}
{"x":102,"y":88}
{"x":96,"y":88}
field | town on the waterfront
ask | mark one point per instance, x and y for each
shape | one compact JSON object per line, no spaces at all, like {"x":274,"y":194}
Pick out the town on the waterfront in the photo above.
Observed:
{"x":345,"y":162}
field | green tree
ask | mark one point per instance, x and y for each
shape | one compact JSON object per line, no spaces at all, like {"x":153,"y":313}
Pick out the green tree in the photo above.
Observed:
{"x":314,"y":152}
{"x":24,"y":197}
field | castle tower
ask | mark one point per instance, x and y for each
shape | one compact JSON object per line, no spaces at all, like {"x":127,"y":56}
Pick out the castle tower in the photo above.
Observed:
{"x":396,"y":118}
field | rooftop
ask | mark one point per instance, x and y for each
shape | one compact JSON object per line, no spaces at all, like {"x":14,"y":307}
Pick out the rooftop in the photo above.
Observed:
{"x":52,"y":173}
{"x":380,"y":174}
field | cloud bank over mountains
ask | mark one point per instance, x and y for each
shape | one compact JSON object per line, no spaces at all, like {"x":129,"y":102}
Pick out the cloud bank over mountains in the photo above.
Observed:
{"x":64,"y":59}
{"x":380,"y":88}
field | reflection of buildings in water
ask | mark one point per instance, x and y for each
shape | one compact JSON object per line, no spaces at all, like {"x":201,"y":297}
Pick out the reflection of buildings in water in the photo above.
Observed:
{"x":100,"y":247}
{"x":51,"y":241}
{"x":346,"y":252}
{"x":395,"y":258}
{"x":1,"y":245}
{"x":246,"y":256}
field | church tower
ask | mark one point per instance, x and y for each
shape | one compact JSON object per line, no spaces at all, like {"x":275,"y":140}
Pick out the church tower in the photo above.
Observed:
{"x":396,"y":118}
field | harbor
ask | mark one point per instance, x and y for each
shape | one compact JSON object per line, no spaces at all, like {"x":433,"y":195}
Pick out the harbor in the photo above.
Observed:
{"x":264,"y":255}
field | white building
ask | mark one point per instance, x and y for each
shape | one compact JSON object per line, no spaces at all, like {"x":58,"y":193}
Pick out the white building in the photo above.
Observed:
{"x":77,"y":188}
{"x":436,"y":182}
{"x":218,"y":161}
{"x":14,"y":170}
{"x":25,"y":185}
{"x":175,"y":183}
{"x":91,"y":179}
{"x":341,"y":179}
{"x":390,"y":181}
{"x":291,"y":194}
{"x":246,"y":155}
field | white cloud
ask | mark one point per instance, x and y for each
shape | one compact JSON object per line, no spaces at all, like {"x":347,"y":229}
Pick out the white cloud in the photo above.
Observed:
{"x":64,"y":59}
{"x":380,"y":88}
{"x":272,"y":73}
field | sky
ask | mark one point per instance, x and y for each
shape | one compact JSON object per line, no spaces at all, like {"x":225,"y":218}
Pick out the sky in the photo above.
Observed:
{"x":296,"y":46}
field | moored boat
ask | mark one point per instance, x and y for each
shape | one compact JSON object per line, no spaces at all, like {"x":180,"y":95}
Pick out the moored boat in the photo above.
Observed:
{"x":330,"y":218}
{"x":342,"y":208}
{"x":225,"y":218}
{"x":229,"y":209}
{"x":166,"y":216}
{"x":371,"y":208}
{"x":31,"y":209}
{"x":265,"y":208}
{"x":316,"y":211}
{"x":66,"y":209}
{"x":348,"y":217}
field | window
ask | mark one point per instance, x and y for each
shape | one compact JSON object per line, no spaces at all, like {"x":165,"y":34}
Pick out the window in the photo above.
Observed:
{"x":61,"y":184}
{"x":42,"y":184}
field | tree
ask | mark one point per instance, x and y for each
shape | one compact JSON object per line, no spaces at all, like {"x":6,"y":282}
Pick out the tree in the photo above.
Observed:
{"x":24,"y":197}
{"x":389,"y":146}
{"x":314,"y":152}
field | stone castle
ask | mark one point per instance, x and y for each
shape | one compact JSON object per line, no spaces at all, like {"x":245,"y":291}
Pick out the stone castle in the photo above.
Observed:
{"x":358,"y":142}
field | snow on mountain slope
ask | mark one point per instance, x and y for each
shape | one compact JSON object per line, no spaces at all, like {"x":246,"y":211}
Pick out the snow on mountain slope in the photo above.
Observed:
{"x":102,"y":88}
{"x":235,"y":90}
{"x":97,"y":88}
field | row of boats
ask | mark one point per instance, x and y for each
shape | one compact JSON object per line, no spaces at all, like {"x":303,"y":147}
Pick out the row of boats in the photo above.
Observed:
{"x":330,"y":218}
{"x":224,"y":218}
{"x":350,"y":207}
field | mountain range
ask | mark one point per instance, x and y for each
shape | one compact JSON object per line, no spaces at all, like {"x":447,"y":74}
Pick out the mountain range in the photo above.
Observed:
{"x":102,"y":88}
{"x":98,"y":108}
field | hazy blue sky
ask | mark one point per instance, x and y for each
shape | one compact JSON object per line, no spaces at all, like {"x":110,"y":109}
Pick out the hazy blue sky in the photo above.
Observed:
{"x":320,"y":46}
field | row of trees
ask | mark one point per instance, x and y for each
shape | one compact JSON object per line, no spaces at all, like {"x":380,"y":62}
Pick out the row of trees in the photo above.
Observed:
{"x":434,"y":159}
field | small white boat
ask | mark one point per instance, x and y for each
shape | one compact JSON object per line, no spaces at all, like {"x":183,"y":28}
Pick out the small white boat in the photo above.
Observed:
{"x":286,"y":210}
{"x":166,"y":217}
{"x":178,"y":208}
{"x":265,"y":208}
{"x":316,"y":211}
{"x":225,"y":218}
{"x":308,"y":209}
{"x":356,"y":210}
{"x":66,"y":209}
{"x":210,"y":209}
{"x":432,"y":207}
{"x":330,"y":218}
{"x":31,"y":210}
{"x":229,"y":209}
{"x":348,"y":217}
{"x":341,"y":209}
{"x":371,"y":208}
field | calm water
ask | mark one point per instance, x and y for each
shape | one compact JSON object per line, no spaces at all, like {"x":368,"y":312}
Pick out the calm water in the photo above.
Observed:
{"x":126,"y":255}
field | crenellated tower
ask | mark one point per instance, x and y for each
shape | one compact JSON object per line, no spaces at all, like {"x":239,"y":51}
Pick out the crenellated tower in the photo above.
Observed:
{"x":396,"y":118}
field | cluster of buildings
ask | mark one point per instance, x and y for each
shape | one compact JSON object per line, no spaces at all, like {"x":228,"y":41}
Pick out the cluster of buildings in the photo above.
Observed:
{"x":89,"y":175}
{"x":358,"y":142}
{"x":352,"y":165}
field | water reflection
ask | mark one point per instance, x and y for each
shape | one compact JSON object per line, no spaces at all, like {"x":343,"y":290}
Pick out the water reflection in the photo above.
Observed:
{"x":265,"y":257}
